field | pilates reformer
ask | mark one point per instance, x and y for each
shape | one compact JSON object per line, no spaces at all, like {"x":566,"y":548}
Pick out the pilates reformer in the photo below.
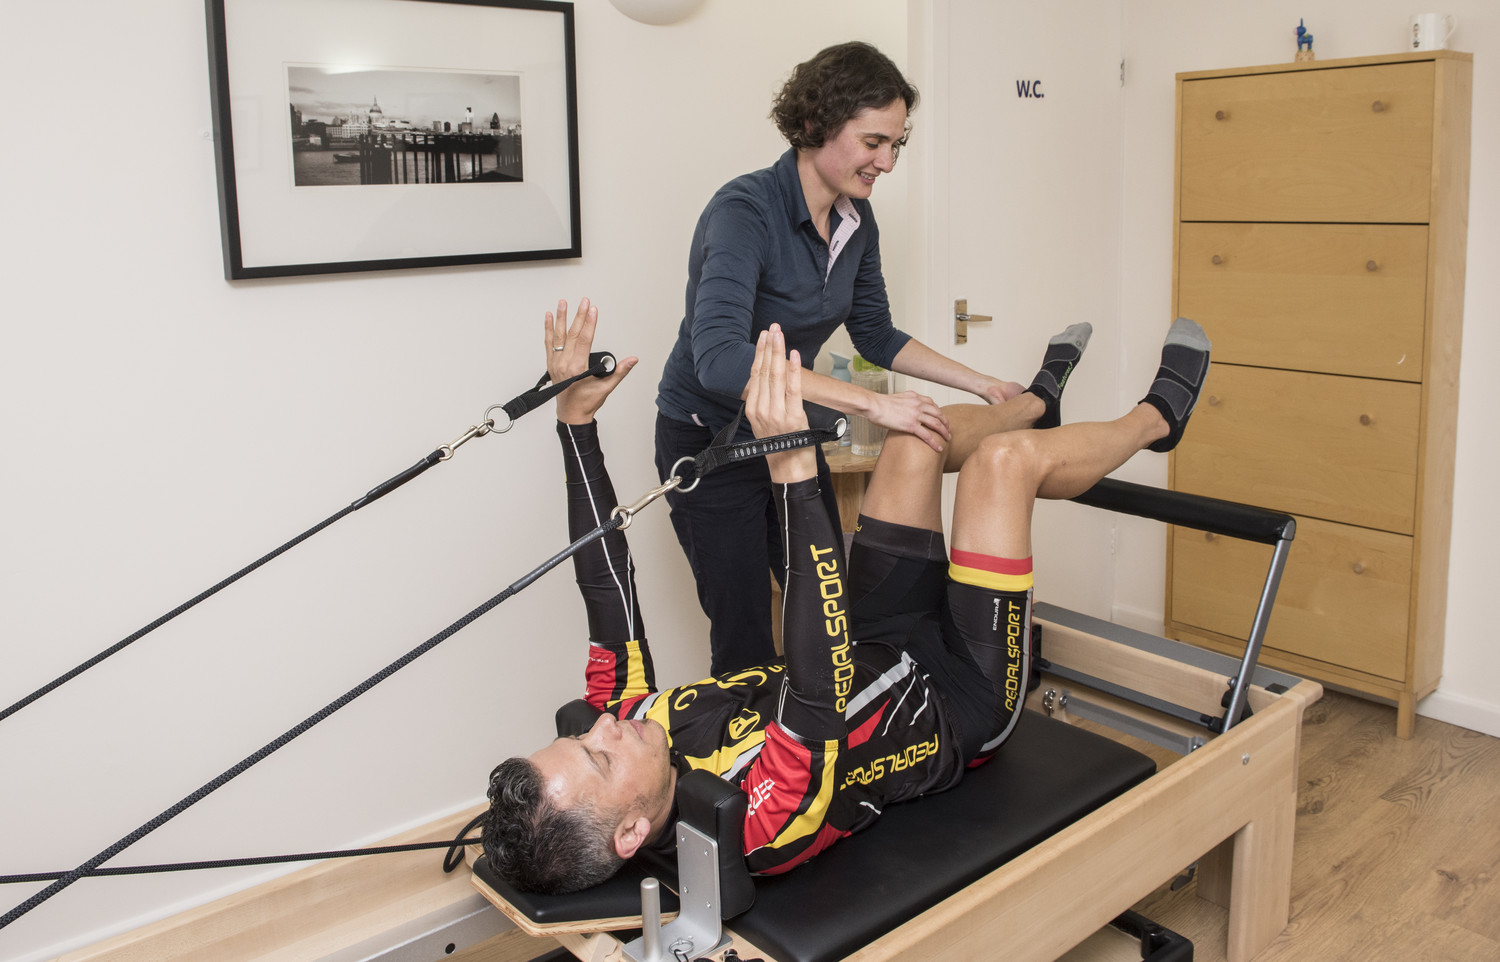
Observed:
{"x":912,"y":881}
{"x":1061,"y":833}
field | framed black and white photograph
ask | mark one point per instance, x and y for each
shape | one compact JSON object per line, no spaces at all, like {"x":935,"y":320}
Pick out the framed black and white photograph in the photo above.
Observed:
{"x":357,"y":135}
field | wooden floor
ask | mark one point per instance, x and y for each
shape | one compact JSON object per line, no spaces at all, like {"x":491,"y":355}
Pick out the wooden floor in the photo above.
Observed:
{"x":1397,"y":851}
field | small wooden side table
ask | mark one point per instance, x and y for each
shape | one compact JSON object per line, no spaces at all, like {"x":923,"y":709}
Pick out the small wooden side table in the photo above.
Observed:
{"x":851,"y":475}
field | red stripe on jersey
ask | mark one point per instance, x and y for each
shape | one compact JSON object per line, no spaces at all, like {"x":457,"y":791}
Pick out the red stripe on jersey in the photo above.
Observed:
{"x":984,"y":562}
{"x":600,"y":675}
{"x":827,"y":835}
{"x":777,"y":783}
{"x":862,"y":734}
{"x":625,"y":708}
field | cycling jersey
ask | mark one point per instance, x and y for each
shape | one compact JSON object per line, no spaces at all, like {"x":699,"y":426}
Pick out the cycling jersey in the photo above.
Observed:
{"x":821,"y":743}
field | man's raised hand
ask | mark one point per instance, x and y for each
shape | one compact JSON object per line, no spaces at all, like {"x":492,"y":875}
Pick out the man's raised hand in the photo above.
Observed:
{"x":773,"y":403}
{"x":568,"y":350}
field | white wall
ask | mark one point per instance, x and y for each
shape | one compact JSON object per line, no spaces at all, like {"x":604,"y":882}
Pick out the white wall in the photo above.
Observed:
{"x":163,"y":427}
{"x":1163,"y":37}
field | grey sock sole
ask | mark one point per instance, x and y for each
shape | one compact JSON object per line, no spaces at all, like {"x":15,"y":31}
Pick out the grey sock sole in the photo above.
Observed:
{"x":1064,"y":351}
{"x":1179,"y":380}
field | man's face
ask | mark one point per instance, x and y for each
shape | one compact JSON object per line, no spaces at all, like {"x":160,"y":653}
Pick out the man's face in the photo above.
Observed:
{"x":864,"y":148}
{"x":619,"y":767}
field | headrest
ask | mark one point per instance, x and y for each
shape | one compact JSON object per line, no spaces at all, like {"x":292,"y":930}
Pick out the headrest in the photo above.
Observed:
{"x":717,"y":809}
{"x":614,"y":904}
{"x":575,"y":718}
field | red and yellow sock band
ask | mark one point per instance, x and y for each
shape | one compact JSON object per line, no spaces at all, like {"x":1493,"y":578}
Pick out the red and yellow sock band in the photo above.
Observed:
{"x":985,"y":571}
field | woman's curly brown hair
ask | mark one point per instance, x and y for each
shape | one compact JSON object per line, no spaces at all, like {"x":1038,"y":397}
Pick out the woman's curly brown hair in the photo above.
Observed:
{"x":827,"y":92}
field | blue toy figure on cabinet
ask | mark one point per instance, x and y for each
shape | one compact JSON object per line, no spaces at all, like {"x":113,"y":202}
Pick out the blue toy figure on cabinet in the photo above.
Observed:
{"x":1304,"y":42}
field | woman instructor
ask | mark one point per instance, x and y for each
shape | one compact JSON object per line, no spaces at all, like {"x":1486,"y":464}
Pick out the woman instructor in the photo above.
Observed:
{"x":795,"y":244}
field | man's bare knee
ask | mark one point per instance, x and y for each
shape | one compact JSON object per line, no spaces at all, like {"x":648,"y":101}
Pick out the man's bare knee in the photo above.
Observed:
{"x":1004,"y":457}
{"x":909,"y":453}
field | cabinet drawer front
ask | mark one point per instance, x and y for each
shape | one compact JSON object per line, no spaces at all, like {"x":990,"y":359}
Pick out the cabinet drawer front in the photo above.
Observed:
{"x":1338,"y":448}
{"x":1344,"y":596}
{"x":1348,"y":144}
{"x":1338,"y":299}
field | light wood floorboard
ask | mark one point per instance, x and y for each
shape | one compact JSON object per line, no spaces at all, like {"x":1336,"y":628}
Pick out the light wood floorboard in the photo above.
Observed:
{"x":1397,"y":850}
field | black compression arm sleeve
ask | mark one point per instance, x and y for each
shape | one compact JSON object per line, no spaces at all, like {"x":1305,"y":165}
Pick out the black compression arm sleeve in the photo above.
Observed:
{"x":815,"y":621}
{"x":604,"y":570}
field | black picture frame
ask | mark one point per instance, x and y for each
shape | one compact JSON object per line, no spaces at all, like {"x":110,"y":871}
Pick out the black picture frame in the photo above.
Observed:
{"x":422,"y":194}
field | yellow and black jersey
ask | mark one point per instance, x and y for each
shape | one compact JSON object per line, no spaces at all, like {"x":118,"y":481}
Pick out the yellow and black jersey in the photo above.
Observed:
{"x":820,"y":744}
{"x":804,"y":793}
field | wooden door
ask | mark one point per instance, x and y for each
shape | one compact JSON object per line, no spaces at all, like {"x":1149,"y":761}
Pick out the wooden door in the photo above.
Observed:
{"x":1020,"y":129}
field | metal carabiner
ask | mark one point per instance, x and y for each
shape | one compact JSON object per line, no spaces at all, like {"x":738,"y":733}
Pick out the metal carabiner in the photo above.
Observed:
{"x":650,"y":496}
{"x":475,"y":431}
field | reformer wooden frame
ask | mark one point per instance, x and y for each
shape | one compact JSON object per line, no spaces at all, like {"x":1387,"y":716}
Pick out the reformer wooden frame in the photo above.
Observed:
{"x":1230,"y":806}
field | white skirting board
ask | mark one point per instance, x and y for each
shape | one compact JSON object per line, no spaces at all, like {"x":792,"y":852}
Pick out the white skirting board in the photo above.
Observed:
{"x":1463,"y":711}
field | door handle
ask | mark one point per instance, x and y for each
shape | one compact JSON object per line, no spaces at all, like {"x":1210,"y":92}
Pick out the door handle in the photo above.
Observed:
{"x":962,"y":319}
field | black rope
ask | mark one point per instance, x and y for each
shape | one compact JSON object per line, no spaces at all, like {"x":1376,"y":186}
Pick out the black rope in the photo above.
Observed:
{"x":600,"y":364}
{"x":455,"y":856}
{"x":451,"y":845}
{"x":125,"y":643}
{"x":88,"y":867}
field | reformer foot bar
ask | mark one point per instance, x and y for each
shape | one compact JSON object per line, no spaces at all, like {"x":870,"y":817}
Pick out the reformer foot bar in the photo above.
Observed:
{"x":1061,"y":833}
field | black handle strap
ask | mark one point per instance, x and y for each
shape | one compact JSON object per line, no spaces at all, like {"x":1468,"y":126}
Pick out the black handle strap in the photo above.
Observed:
{"x":722,"y":450}
{"x":601,"y":364}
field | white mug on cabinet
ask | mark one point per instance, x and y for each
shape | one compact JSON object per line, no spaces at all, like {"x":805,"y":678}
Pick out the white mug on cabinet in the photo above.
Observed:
{"x":1430,"y":31}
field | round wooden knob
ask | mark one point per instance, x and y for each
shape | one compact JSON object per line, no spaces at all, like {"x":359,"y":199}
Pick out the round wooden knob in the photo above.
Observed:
{"x":1364,"y":419}
{"x":1213,"y":400}
{"x":1218,"y":259}
{"x":1371,"y":266}
{"x":1221,"y":114}
{"x":1359,"y":569}
{"x":1378,"y":106}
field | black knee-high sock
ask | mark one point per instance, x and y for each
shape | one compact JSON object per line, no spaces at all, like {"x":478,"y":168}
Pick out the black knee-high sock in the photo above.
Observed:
{"x":990,"y":598}
{"x":1179,"y":380}
{"x":1063,"y":354}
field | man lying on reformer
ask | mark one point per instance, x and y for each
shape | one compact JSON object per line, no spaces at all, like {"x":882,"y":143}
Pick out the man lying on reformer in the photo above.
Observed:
{"x":903,"y":667}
